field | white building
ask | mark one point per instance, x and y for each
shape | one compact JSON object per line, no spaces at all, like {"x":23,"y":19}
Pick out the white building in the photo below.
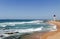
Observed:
{"x":54,"y":17}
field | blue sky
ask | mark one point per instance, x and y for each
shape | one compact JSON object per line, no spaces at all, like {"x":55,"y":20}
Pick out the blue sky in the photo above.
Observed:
{"x":29,"y":9}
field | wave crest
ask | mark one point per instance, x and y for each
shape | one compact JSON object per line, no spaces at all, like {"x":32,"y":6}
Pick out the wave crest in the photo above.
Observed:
{"x":14,"y":23}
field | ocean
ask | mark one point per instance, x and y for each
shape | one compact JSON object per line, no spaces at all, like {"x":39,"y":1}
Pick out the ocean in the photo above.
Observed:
{"x":19,"y":27}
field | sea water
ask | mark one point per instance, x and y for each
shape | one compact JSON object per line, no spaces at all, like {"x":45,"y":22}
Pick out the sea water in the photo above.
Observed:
{"x":24,"y":26}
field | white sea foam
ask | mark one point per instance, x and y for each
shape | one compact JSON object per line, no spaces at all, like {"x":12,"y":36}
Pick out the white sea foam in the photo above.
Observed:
{"x":14,"y":23}
{"x":28,"y":30}
{"x":54,"y":28}
{"x":24,"y":30}
{"x":2,"y":32}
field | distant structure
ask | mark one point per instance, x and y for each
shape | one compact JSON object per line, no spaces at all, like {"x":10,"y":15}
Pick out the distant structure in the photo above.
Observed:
{"x":54,"y":17}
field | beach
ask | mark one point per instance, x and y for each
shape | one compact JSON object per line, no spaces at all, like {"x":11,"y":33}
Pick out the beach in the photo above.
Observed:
{"x":53,"y":34}
{"x":45,"y":35}
{"x":24,"y":29}
{"x":31,"y":29}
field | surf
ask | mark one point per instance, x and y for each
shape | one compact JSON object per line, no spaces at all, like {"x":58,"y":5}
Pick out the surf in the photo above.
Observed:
{"x":15,"y":23}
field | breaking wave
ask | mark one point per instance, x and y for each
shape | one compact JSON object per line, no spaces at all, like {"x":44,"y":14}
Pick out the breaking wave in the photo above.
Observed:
{"x":25,"y":27}
{"x":24,"y":30}
{"x":15,"y":23}
{"x":36,"y":25}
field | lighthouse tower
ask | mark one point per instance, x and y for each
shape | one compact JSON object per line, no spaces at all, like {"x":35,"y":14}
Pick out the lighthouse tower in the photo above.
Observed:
{"x":54,"y":17}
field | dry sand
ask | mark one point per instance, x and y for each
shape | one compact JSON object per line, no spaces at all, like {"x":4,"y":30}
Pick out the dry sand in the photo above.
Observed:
{"x":54,"y":34}
{"x":47,"y":35}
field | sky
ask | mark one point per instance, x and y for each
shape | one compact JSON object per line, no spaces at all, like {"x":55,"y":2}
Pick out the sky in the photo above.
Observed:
{"x":29,"y":9}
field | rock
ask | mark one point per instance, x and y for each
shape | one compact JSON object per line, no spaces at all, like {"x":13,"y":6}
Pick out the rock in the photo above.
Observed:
{"x":30,"y":36}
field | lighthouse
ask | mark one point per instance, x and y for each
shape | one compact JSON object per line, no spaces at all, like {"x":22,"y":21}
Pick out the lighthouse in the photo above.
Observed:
{"x":54,"y":17}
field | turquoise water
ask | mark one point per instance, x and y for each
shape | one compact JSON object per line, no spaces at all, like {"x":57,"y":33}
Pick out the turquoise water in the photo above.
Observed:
{"x":24,"y":26}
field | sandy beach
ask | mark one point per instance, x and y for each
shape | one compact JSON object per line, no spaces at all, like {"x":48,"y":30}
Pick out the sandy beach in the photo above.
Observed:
{"x":45,"y":35}
{"x":53,"y":34}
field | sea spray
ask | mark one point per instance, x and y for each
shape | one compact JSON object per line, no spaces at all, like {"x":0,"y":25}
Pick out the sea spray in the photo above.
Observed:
{"x":24,"y":27}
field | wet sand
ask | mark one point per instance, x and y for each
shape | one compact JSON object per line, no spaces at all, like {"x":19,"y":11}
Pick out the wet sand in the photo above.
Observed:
{"x":53,"y":34}
{"x":45,"y":35}
{"x":34,"y":35}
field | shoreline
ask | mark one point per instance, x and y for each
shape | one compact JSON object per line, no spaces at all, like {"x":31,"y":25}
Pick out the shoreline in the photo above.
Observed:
{"x":45,"y":35}
{"x":53,"y":34}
